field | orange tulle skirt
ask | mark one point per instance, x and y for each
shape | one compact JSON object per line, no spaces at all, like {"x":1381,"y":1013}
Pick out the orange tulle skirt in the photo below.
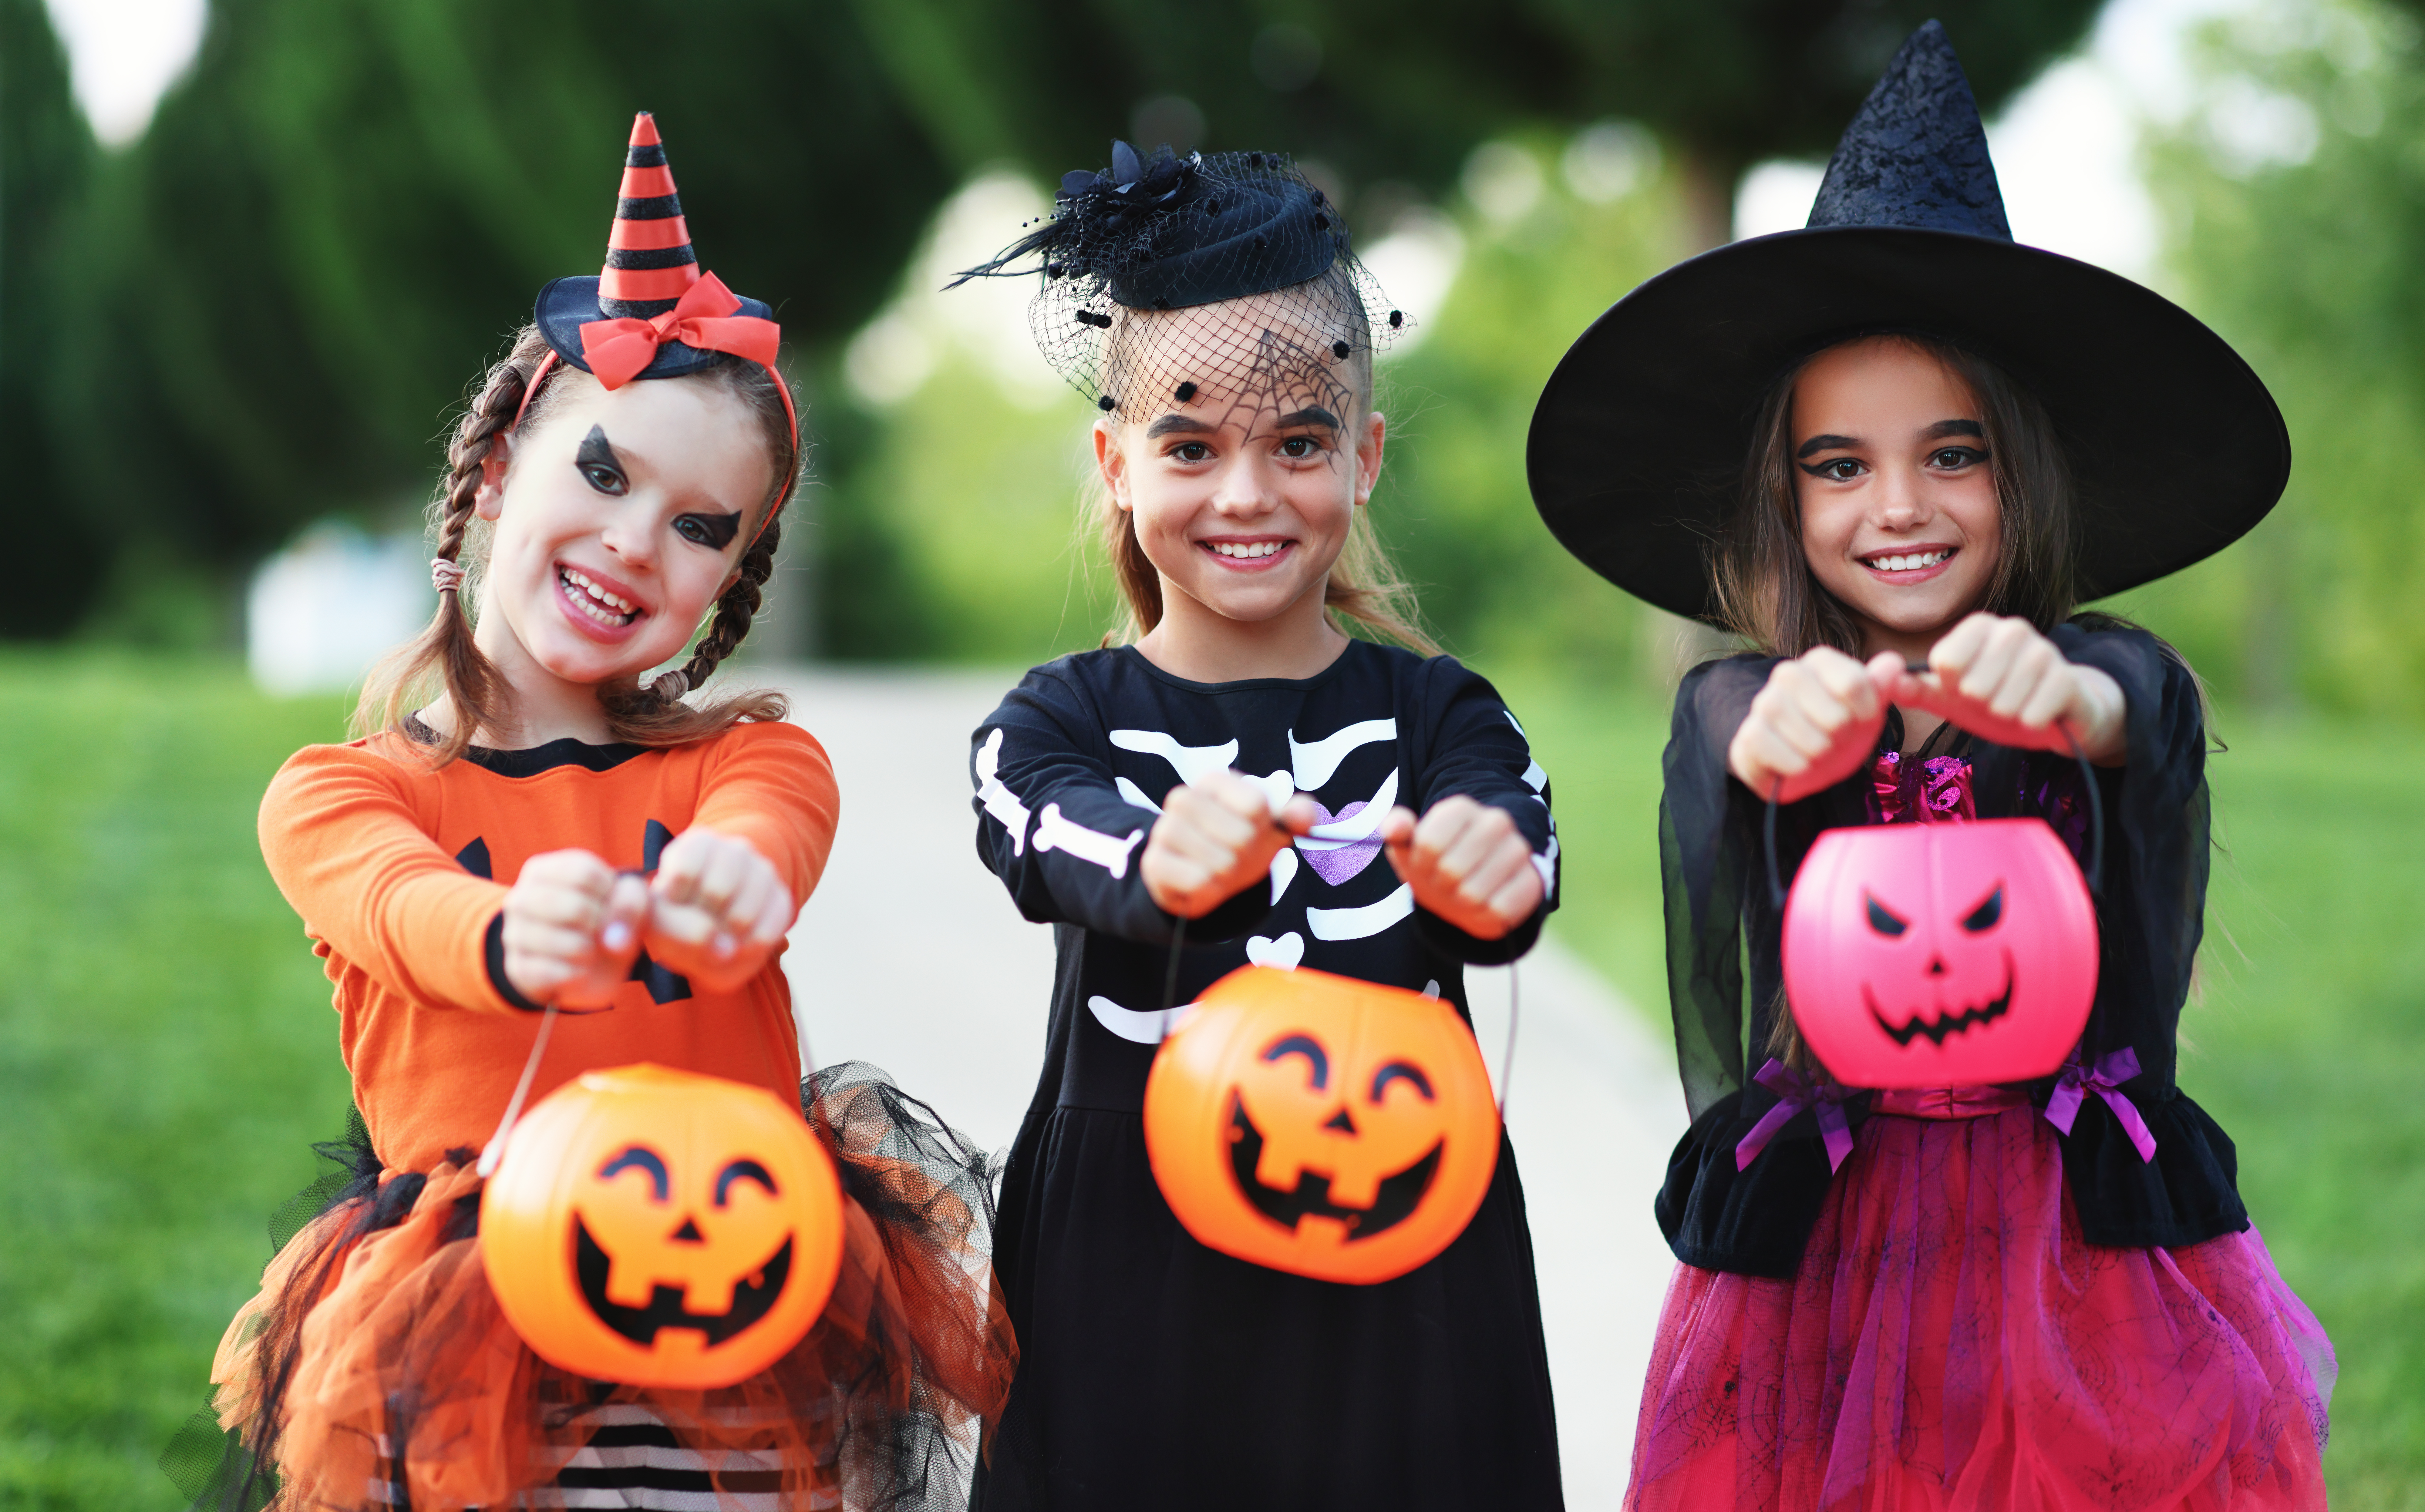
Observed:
{"x":375,"y":1368}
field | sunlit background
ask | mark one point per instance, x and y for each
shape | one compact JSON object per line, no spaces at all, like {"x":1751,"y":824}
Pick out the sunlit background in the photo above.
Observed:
{"x":252,"y":252}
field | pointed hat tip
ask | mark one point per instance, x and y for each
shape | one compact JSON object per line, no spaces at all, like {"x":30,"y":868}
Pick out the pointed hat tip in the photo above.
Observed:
{"x":644,"y":130}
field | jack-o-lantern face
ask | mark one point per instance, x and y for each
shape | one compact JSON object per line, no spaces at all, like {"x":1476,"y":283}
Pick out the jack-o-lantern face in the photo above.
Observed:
{"x":657,"y":1228}
{"x":1940,"y":955}
{"x":1321,"y":1125}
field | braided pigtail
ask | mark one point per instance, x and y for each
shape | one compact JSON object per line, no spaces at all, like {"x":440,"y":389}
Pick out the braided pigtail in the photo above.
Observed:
{"x":444,"y":657}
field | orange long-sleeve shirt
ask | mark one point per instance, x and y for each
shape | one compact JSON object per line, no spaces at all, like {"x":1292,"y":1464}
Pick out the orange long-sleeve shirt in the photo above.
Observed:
{"x":398,"y":872}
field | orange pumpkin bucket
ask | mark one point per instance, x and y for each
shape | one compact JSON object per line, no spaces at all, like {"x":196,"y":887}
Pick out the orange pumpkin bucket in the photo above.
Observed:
{"x":659,"y":1228}
{"x":1321,"y":1125}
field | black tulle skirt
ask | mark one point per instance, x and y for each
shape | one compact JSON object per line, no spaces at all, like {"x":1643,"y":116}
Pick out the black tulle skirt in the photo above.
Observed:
{"x":1157,"y":1372}
{"x":375,"y":1368}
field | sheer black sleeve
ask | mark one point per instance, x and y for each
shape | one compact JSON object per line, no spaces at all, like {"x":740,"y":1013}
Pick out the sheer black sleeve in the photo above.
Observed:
{"x":2151,"y":917}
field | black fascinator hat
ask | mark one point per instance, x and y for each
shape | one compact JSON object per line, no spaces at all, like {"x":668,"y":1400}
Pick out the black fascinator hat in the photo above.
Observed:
{"x":1165,"y":234}
{"x":1638,"y":443}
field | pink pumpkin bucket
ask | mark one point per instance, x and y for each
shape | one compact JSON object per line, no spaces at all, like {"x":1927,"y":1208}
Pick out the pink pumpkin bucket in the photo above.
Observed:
{"x":1942,"y":955}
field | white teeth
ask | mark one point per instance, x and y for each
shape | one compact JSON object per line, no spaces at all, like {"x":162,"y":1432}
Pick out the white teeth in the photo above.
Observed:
{"x":1246,"y":549}
{"x":1909,"y":563}
{"x":606,"y":608}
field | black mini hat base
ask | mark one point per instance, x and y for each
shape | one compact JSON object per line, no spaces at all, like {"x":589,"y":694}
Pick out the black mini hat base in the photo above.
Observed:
{"x":567,"y":304}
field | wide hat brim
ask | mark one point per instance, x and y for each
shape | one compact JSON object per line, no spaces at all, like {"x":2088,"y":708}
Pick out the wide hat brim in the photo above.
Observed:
{"x":567,"y":304}
{"x":1638,"y":444}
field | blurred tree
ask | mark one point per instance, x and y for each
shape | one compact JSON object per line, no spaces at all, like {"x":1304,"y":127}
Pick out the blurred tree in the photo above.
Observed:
{"x":45,"y":157}
{"x":282,"y":289}
{"x":2295,"y":193}
{"x":1399,"y":91}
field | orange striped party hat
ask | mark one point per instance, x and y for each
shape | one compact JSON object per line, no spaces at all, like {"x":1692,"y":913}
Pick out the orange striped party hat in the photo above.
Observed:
{"x":650,"y":263}
{"x":651,"y":313}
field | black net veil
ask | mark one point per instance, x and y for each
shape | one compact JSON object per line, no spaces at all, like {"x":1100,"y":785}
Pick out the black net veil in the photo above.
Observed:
{"x":1220,"y":285}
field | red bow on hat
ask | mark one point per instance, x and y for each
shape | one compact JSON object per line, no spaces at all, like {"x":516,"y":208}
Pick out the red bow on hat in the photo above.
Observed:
{"x":616,"y":350}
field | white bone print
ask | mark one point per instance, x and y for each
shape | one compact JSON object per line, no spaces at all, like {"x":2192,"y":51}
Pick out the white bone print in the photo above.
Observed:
{"x":1134,"y":794}
{"x":998,"y":800}
{"x":1359,"y":924}
{"x":1053,"y":832}
{"x":1190,"y":761}
{"x":1315,"y":761}
{"x":1284,"y":864}
{"x":1136,"y":1025}
{"x":1283,"y":952}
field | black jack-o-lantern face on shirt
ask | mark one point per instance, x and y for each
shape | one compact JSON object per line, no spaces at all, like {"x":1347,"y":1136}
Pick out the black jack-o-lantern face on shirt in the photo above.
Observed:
{"x":1940,"y":955}
{"x":1321,"y":1125}
{"x":657,"y":1228}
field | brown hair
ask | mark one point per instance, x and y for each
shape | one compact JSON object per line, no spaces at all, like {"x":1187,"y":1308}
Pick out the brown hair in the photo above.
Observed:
{"x":444,"y":657}
{"x":1363,"y":589}
{"x":1764,"y":588}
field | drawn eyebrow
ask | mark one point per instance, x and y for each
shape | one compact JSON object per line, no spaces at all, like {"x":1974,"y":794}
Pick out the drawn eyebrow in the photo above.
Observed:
{"x":1312,"y":414}
{"x":596,"y":450}
{"x":1175,"y":424}
{"x":1953,"y":427}
{"x":1825,"y":444}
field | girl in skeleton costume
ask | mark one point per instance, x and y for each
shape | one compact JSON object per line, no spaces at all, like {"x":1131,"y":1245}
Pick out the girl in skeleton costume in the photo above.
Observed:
{"x":2043,"y":1296}
{"x":546,"y":828}
{"x":1290,"y":794}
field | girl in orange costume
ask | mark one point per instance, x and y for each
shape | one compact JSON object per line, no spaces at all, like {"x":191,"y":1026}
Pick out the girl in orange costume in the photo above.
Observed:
{"x":548,"y":831}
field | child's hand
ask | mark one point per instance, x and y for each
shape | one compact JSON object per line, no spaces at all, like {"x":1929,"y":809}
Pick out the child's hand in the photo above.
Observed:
{"x":2002,"y":681}
{"x":718,"y":909}
{"x":1216,"y":837}
{"x":1467,"y":863}
{"x":1813,"y":725}
{"x":572,"y":929}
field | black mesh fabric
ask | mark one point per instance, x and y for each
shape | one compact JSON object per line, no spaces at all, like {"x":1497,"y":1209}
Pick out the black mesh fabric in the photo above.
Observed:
{"x":1201,"y":283}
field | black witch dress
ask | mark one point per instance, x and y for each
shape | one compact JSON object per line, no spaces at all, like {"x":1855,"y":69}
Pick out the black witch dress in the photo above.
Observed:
{"x":1155,"y":1371}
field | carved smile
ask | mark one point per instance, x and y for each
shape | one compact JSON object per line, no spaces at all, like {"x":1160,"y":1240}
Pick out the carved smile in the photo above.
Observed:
{"x":1950,"y":1023}
{"x":1400,"y":1193}
{"x":752,"y":1299}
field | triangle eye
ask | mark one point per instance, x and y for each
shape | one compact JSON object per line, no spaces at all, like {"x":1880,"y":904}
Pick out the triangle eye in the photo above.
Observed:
{"x":1987,"y":914}
{"x":1885,"y":922}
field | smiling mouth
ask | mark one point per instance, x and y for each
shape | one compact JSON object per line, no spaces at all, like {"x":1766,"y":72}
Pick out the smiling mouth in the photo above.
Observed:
{"x":753,"y":1297}
{"x":1247,"y":551}
{"x":1916,"y":561}
{"x":1945,"y":1023}
{"x":611,"y":611}
{"x":1399,"y":1195}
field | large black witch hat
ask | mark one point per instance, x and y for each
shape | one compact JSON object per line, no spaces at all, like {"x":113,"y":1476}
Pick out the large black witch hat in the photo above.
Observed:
{"x":1638,"y":444}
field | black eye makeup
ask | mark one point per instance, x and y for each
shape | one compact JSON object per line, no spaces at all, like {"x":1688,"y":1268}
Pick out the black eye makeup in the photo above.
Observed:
{"x":1836,"y":470}
{"x":1954,"y":459}
{"x":598,"y":464}
{"x":712,"y":531}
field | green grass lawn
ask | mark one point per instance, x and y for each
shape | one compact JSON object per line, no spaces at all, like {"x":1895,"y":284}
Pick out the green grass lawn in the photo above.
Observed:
{"x":2307,"y":1040}
{"x":167,"y":1053}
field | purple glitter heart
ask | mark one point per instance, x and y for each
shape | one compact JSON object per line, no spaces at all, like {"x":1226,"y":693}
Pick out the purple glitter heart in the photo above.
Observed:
{"x":1337,"y":867}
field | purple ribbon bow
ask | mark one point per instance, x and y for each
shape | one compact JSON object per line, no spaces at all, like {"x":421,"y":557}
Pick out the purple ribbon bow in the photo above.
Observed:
{"x":2062,"y":1109}
{"x":1795,"y":1092}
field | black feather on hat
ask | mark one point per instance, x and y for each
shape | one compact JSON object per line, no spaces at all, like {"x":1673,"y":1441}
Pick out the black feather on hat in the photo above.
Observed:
{"x":1638,"y":443}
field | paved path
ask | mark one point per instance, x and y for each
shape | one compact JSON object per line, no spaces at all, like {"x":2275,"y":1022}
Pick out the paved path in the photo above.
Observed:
{"x":911,"y":956}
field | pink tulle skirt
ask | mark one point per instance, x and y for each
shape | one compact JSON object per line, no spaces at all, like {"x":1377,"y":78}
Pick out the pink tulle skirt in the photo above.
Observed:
{"x":1951,"y":1344}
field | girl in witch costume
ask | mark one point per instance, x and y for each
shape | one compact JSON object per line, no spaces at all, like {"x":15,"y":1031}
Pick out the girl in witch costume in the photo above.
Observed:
{"x":547,"y":829}
{"x":2039,"y":1296}
{"x":1211,"y":309}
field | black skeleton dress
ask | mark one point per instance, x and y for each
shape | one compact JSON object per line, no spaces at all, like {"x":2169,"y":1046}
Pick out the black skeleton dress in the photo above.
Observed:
{"x":1155,"y":1371}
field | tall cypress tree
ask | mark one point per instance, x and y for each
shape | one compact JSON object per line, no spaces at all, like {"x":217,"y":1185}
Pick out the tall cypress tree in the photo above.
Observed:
{"x":46,"y":154}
